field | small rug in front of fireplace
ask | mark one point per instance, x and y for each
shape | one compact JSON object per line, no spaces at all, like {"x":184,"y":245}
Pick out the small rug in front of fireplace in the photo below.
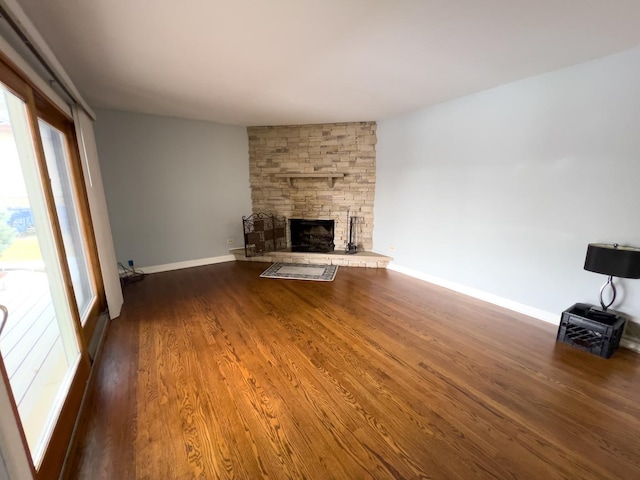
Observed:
{"x":296,"y":271}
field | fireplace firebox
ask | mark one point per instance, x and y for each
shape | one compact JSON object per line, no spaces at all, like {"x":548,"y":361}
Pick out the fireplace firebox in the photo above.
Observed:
{"x":311,"y":235}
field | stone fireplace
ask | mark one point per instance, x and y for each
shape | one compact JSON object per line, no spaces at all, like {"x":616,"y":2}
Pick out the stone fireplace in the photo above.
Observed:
{"x":316,"y":172}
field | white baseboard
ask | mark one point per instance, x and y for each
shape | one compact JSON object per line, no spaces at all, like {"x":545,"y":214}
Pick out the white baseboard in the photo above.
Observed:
{"x":543,"y":315}
{"x":553,"y":318}
{"x":187,"y":264}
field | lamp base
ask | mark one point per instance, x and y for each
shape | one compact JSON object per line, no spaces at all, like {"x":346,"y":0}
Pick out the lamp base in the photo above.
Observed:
{"x":609,"y":283}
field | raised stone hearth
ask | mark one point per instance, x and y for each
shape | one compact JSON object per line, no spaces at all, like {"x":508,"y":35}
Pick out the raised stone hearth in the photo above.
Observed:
{"x":360,"y":259}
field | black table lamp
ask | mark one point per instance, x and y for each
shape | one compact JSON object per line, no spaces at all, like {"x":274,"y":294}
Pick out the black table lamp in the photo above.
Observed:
{"x":614,"y":261}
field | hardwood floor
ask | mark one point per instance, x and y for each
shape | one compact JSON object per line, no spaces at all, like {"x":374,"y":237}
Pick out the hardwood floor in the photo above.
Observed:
{"x":213,"y":372}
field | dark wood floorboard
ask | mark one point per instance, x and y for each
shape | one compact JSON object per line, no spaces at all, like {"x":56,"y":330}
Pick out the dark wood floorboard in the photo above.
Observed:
{"x":213,"y":372}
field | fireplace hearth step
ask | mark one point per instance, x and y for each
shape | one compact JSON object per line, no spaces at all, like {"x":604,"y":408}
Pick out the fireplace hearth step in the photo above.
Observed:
{"x":360,"y":259}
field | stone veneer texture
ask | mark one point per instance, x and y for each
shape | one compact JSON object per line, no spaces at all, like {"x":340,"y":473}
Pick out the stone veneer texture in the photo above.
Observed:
{"x":341,"y":148}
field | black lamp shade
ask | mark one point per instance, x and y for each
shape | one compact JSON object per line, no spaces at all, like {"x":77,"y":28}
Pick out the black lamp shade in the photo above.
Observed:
{"x":613,"y":260}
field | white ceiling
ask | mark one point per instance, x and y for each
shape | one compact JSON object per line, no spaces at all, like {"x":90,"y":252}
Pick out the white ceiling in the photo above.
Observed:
{"x":270,"y":62}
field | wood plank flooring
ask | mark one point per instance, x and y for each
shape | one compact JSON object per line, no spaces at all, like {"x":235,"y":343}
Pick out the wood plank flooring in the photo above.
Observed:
{"x":213,"y":372}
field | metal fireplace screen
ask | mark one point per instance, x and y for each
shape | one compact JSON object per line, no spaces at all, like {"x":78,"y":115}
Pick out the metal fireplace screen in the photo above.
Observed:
{"x":263,"y":233}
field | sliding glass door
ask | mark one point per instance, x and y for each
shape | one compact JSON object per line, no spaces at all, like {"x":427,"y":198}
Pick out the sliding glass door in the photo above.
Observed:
{"x":57,"y":154}
{"x":48,"y":271}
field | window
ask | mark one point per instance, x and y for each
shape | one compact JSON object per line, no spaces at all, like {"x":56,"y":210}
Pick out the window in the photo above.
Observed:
{"x":49,"y":275}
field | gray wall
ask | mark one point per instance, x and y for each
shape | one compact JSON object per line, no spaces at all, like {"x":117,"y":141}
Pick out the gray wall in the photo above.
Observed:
{"x":4,"y":474}
{"x":501,"y":191}
{"x":176,"y":189}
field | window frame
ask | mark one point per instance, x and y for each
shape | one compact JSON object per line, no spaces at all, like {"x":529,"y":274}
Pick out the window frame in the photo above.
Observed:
{"x":39,"y":106}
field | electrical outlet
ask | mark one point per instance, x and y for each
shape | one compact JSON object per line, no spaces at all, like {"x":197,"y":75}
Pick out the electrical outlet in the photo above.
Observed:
{"x":130,"y":262}
{"x":392,"y":248}
{"x":229,"y":241}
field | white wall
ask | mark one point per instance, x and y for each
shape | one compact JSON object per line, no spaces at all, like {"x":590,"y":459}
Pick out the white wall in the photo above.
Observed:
{"x":501,"y":191}
{"x":176,"y":189}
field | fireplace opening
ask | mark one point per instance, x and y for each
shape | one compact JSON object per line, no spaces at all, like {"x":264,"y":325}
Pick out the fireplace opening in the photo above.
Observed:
{"x":311,"y":235}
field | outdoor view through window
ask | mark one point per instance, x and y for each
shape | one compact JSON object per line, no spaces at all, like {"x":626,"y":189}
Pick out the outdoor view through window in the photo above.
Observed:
{"x":38,"y":344}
